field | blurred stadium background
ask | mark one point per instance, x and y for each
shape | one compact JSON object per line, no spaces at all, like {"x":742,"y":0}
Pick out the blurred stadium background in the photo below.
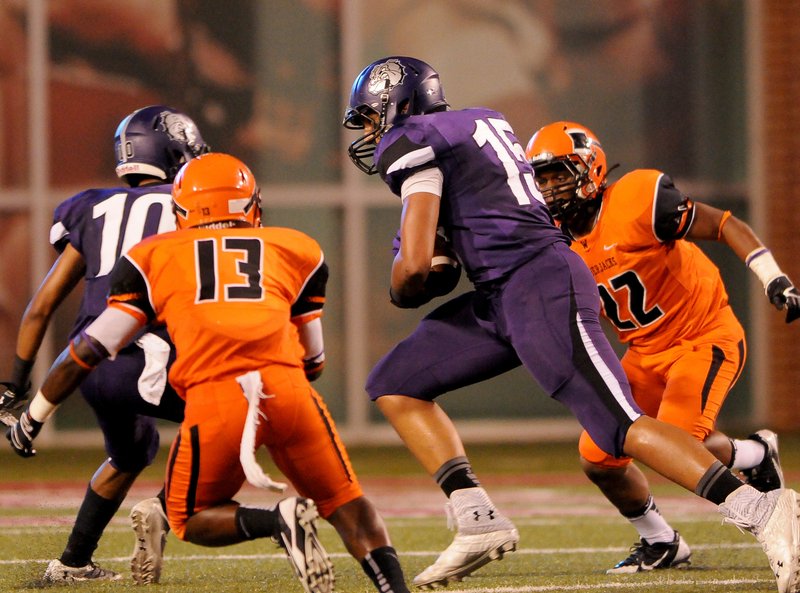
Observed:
{"x":706,"y":91}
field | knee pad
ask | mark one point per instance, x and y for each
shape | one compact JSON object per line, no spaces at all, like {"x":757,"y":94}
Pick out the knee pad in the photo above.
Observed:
{"x":596,"y":456}
{"x":138,"y":454}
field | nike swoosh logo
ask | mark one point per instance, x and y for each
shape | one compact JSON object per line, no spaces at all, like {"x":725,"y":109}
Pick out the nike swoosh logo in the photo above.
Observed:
{"x":607,"y":247}
{"x":651,"y":566}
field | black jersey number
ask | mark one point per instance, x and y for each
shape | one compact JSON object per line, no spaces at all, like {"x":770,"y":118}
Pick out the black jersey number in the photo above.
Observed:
{"x":248,"y":266}
{"x":636,"y":295}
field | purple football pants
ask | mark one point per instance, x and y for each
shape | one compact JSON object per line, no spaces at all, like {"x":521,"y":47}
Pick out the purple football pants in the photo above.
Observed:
{"x":126,"y":419}
{"x":545,"y":315}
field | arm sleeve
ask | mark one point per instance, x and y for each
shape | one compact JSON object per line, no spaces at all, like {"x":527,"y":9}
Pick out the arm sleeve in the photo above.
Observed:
{"x":114,"y":329}
{"x":312,"y":340}
{"x":427,"y":180}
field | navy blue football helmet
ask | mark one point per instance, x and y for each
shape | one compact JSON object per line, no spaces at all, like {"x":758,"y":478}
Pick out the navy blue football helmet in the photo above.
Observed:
{"x":155,"y":141}
{"x":389,"y":88}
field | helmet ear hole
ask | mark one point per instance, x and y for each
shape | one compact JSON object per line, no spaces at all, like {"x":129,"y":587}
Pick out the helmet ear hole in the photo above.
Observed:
{"x":403,"y":106}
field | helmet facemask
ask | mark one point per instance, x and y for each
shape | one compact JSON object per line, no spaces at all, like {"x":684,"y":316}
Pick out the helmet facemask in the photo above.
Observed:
{"x":572,"y":190}
{"x":362,"y":149}
{"x":570,"y":170}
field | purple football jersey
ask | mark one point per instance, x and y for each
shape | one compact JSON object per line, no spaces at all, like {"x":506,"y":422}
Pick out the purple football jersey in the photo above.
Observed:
{"x":125,"y":393}
{"x":102,"y":224}
{"x":535,"y":301}
{"x":490,"y":209}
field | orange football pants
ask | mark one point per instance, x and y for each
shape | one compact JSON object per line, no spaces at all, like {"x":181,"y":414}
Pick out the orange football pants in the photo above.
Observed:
{"x":684,"y":385}
{"x":203,"y":469}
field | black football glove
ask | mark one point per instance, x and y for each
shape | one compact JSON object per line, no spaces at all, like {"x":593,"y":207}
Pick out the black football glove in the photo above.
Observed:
{"x":21,"y":435}
{"x":784,"y":295}
{"x":404,"y":302}
{"x":12,"y":397}
{"x":313,"y":367}
{"x":443,"y":280}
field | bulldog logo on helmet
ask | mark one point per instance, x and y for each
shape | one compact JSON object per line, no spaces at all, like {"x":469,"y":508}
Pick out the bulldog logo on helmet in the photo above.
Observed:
{"x":179,"y":127}
{"x":384,"y":77}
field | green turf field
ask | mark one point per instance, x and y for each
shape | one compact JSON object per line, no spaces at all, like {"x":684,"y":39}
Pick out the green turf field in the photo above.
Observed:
{"x":569,"y":534}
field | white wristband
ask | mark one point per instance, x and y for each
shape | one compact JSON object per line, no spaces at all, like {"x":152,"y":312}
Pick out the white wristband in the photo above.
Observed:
{"x":40,"y":408}
{"x":443,"y":260}
{"x":763,"y":265}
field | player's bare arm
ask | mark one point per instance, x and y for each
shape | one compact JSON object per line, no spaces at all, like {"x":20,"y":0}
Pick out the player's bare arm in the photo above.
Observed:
{"x":714,"y":224}
{"x":63,"y":276}
{"x":417,"y":236}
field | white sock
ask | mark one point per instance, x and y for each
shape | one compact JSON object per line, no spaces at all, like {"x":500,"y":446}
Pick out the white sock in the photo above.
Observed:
{"x":747,"y":453}
{"x":473,"y":512}
{"x":652,"y":526}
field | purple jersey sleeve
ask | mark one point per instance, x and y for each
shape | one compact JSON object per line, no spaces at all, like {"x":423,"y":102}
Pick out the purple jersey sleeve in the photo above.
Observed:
{"x":490,"y":206}
{"x":102,"y":224}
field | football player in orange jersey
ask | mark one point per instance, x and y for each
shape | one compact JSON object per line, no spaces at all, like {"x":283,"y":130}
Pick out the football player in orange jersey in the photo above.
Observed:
{"x":666,"y":300}
{"x":242,"y":305}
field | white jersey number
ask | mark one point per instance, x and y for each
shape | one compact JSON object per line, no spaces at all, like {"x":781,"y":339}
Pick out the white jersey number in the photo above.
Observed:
{"x":112,"y":211}
{"x":497,"y":133}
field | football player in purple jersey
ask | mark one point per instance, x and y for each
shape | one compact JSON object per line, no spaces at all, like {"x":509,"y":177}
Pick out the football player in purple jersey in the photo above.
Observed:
{"x":534,"y":303}
{"x":90,"y":231}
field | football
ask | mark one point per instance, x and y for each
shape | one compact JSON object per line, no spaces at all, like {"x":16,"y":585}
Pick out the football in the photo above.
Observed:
{"x":443,"y":256}
{"x":445,"y":268}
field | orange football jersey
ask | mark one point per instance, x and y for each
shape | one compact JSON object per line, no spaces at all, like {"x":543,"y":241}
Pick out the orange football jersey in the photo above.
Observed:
{"x":227,"y":296}
{"x":656,"y":288}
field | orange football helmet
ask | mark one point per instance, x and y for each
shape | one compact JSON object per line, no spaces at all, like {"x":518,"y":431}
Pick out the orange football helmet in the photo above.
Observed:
{"x":215,"y":187}
{"x":571,"y":146}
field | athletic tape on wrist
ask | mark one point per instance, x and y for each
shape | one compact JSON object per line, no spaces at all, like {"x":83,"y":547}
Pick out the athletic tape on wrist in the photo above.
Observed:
{"x":764,"y":266}
{"x":40,"y":408}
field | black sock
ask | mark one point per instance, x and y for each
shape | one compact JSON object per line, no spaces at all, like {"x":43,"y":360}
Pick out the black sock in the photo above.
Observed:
{"x":93,"y":517}
{"x":254,"y":522}
{"x":733,"y":453}
{"x":717,"y":483}
{"x":455,"y":475}
{"x":162,"y":498}
{"x":383,"y":568}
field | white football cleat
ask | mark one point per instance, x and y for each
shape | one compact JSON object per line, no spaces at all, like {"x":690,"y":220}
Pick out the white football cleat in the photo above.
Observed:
{"x":61,"y":573}
{"x":773,"y":518}
{"x":483,"y":534}
{"x":151,"y":527}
